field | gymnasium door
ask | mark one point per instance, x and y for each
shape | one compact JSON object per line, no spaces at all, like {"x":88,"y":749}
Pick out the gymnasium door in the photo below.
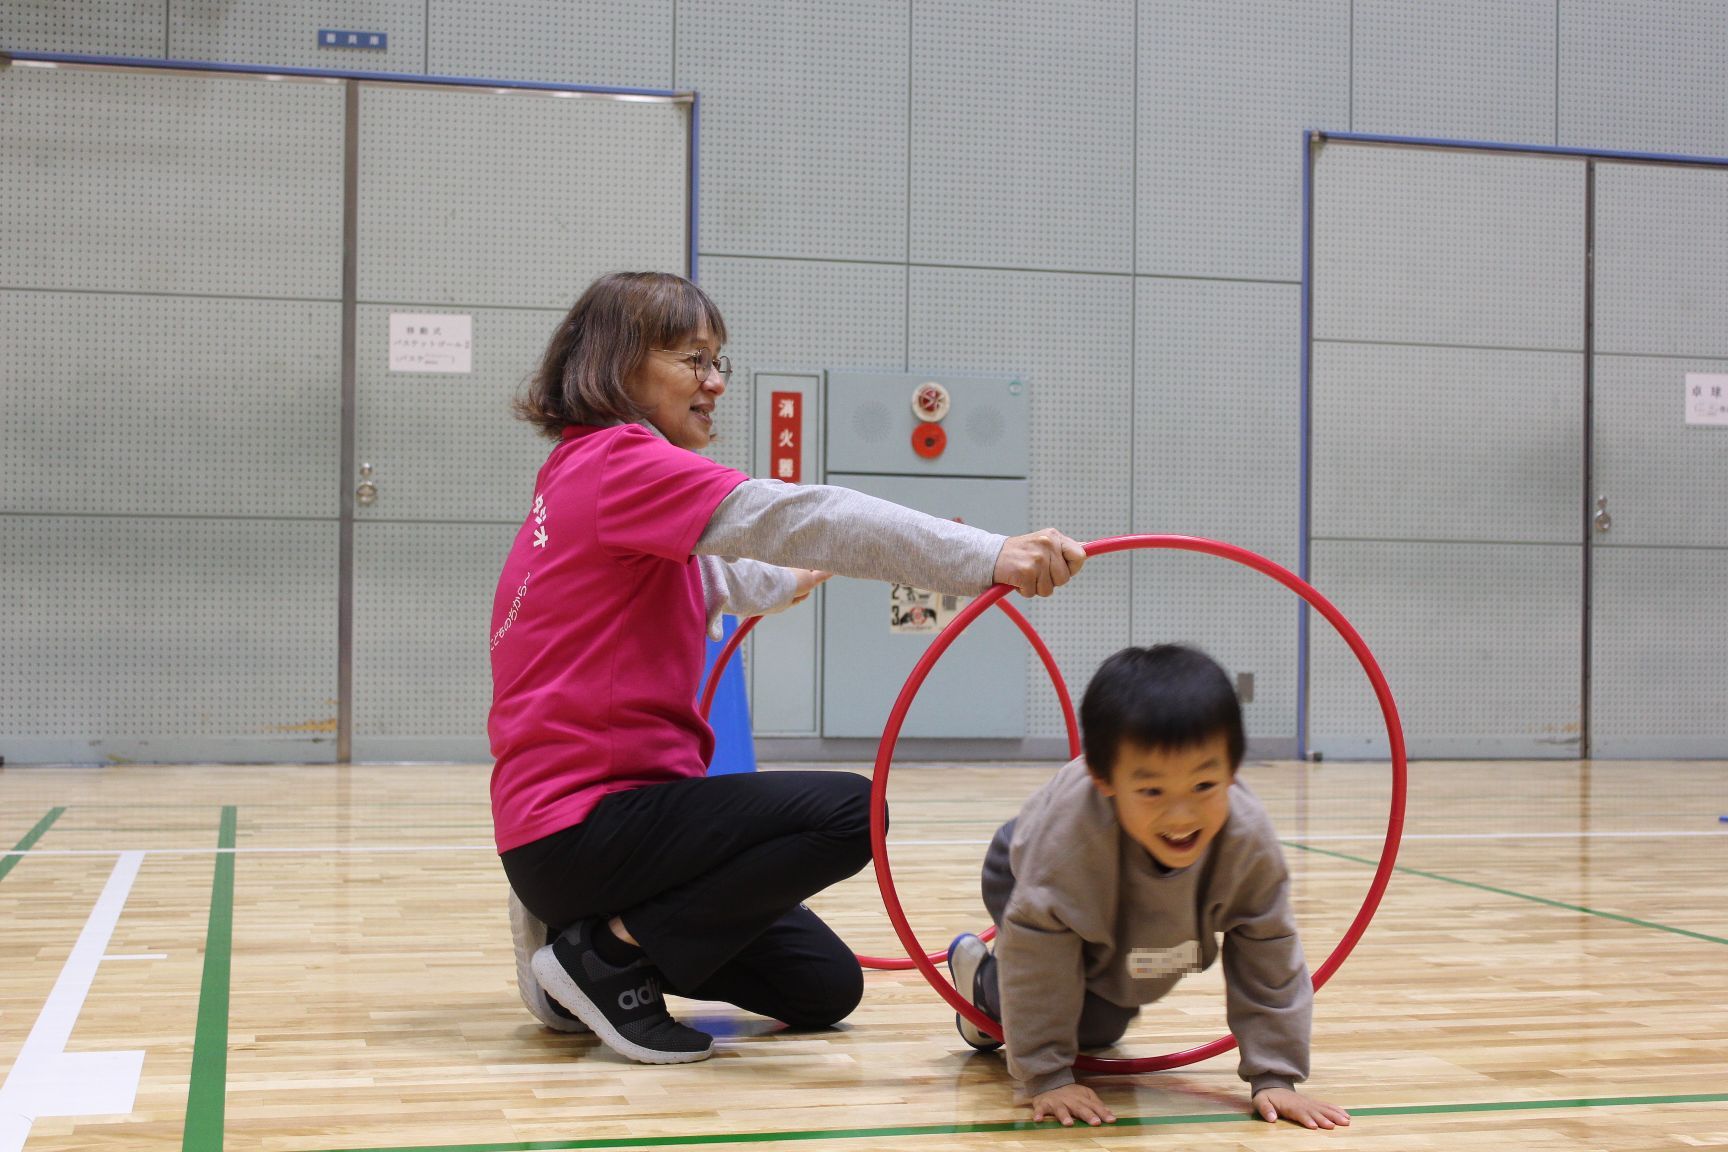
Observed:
{"x":1659,"y":612}
{"x":1447,"y":445}
{"x":201,"y":275}
{"x":525,"y":199}
{"x":1465,"y":422}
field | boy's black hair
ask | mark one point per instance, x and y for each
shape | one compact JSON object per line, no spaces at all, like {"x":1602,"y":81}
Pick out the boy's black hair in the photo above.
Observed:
{"x":1165,"y":697}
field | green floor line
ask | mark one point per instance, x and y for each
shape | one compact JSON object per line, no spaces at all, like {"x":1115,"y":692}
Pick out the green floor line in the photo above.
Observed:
{"x":1023,"y":1126}
{"x":7,"y":863}
{"x":1517,"y":895}
{"x":207,"y":1090}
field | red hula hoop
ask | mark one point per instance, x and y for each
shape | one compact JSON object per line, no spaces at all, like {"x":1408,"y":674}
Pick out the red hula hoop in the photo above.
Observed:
{"x":905,"y":963}
{"x":891,"y":734}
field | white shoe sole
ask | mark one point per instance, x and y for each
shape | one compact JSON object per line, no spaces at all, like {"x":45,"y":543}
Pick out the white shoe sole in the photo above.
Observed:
{"x":529,"y":936}
{"x":563,"y":989}
{"x":963,"y":965}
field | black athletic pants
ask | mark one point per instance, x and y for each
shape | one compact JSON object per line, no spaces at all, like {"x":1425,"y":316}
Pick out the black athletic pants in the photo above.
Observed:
{"x":708,"y":875}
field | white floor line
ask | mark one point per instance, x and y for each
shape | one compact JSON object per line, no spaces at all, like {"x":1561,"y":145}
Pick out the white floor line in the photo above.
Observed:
{"x":47,"y":1080}
{"x":371,"y":849}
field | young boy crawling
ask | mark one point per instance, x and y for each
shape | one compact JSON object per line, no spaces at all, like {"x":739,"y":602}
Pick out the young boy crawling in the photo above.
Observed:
{"x":1116,"y":880}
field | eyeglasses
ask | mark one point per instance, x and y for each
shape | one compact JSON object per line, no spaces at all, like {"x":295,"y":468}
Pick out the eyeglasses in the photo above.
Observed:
{"x":702,"y":364}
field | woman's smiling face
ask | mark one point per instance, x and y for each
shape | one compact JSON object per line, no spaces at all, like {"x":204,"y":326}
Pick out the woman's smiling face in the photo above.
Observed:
{"x":674,"y":398}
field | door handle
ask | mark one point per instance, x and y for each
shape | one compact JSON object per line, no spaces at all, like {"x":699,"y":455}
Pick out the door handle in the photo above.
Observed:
{"x":367,"y":493}
{"x":1603,"y":521}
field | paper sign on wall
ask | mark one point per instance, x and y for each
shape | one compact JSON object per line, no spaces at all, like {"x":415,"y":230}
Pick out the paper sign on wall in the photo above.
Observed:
{"x":914,"y":610}
{"x":431,"y":342}
{"x":1706,"y":398}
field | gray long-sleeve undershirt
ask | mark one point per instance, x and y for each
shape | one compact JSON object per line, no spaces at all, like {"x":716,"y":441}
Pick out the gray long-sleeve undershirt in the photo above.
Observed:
{"x":850,"y":534}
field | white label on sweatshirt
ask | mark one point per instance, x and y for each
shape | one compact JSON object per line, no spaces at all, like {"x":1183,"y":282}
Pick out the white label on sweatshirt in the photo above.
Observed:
{"x":1158,"y":963}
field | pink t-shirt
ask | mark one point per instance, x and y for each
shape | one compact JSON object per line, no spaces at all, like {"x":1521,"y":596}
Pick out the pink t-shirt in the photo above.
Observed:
{"x":597,"y":630}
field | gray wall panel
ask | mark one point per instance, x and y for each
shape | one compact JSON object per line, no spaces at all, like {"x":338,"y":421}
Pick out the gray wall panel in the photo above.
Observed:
{"x":1666,"y":482}
{"x":1064,"y":334}
{"x":125,"y":632}
{"x":1475,"y":673}
{"x":804,"y":129}
{"x":1216,"y":382}
{"x":796,"y":315}
{"x":1225,"y":89}
{"x":128,"y":182}
{"x":472,"y":197}
{"x":1644,"y":76}
{"x":1660,"y":653}
{"x":422,"y":599}
{"x":1662,"y":260}
{"x":89,"y":27}
{"x":610,"y":43}
{"x":168,"y":405}
{"x":445,"y":446}
{"x":286,"y":32}
{"x":1023,"y":134}
{"x":1217,"y":385}
{"x":1243,"y":620}
{"x":1465,"y":69}
{"x":1432,"y":443}
{"x":1448,"y":248}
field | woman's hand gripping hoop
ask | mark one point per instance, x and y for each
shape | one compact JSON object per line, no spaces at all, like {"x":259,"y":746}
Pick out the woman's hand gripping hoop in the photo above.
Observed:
{"x":925,"y":962}
{"x":902,"y":963}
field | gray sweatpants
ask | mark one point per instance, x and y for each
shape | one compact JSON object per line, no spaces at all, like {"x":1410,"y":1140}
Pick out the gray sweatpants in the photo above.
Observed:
{"x":1102,"y":1021}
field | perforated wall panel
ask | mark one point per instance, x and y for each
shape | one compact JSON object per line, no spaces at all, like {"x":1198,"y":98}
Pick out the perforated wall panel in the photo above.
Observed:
{"x":612,"y":43}
{"x":89,"y":27}
{"x":1023,"y":134}
{"x":422,"y":597}
{"x":1643,"y":76}
{"x":129,"y":636}
{"x":515,"y":200}
{"x":1666,"y":482}
{"x":1661,"y":260}
{"x":787,"y":315}
{"x":167,"y":405}
{"x":1217,"y":394}
{"x":804,"y":130}
{"x":1461,"y":69}
{"x":1432,"y":443}
{"x":127,"y":182}
{"x":1660,"y":653}
{"x":446,"y":446}
{"x":1225,"y":89}
{"x":1240,"y":618}
{"x":286,"y":32}
{"x":1481,"y":645}
{"x":1067,"y":335}
{"x":1216,"y":455}
{"x":1431,"y":247}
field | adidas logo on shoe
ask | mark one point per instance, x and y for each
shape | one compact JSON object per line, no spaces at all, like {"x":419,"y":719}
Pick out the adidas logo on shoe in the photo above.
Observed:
{"x":634,"y":998}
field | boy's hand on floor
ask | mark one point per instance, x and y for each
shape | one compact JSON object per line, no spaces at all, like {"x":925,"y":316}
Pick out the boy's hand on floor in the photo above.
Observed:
{"x":1069,"y":1103}
{"x":1274,"y":1103}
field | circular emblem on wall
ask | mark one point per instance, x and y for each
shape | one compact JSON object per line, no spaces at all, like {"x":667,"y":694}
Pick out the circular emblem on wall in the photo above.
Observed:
{"x":928,"y":440}
{"x":930,"y":402}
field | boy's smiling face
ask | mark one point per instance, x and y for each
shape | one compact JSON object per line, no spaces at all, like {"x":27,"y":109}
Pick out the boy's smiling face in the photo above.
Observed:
{"x":1173,"y":802}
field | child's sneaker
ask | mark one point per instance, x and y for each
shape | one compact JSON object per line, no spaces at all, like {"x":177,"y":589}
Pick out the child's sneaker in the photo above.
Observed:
{"x":966,"y":957}
{"x":529,"y":936}
{"x":624,"y":1006}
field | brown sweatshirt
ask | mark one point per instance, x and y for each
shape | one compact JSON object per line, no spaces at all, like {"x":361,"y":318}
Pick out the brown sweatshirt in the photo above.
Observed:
{"x":1083,"y":908}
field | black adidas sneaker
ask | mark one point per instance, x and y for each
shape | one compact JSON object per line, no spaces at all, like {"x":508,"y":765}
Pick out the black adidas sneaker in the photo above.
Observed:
{"x":624,"y":1006}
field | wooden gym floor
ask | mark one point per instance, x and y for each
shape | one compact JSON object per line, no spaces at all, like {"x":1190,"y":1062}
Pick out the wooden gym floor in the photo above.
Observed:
{"x":317,"y":959}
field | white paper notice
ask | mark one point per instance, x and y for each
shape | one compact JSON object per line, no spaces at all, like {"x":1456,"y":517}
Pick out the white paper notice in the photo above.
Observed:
{"x":431,"y":342}
{"x":1706,"y":399}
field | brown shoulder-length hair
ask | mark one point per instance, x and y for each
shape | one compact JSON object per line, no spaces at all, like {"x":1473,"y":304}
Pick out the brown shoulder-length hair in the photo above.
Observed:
{"x":584,"y":376}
